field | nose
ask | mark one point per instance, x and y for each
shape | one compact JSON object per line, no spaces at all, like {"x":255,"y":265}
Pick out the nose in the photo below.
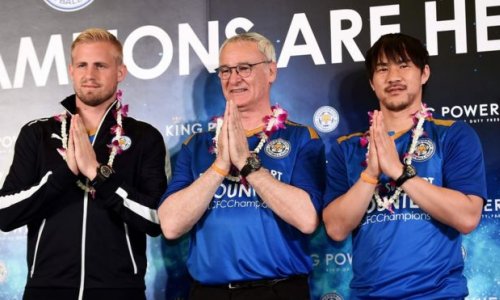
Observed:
{"x":90,"y":72}
{"x":234,"y":76}
{"x":393,"y":74}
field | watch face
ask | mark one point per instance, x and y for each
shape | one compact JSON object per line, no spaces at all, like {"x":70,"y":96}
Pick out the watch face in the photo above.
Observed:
{"x":254,"y":162}
{"x":105,"y":170}
{"x":410,"y":170}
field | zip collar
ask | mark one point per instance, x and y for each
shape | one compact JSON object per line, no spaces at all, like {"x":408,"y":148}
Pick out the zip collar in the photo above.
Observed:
{"x":108,"y":120}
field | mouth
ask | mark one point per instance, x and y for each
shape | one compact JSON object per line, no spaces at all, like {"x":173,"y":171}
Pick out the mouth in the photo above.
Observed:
{"x":394,"y":89}
{"x":238,"y":90}
{"x":90,"y":86}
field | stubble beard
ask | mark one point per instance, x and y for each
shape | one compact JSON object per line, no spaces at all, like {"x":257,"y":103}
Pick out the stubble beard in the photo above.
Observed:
{"x":95,"y":98}
{"x":398,"y":105}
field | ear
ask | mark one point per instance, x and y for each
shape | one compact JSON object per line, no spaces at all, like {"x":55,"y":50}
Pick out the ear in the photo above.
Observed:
{"x":371,"y":85}
{"x":426,"y":73}
{"x":122,"y":72}
{"x":273,"y":71}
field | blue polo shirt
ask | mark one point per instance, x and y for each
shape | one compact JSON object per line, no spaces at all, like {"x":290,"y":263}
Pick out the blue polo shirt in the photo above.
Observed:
{"x":239,"y":238}
{"x":408,"y":254}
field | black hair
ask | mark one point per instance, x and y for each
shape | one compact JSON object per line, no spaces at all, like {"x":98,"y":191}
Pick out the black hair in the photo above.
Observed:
{"x":396,"y":47}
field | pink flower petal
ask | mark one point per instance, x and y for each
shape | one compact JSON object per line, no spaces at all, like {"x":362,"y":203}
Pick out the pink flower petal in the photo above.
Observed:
{"x":119,"y":95}
{"x":62,"y":152}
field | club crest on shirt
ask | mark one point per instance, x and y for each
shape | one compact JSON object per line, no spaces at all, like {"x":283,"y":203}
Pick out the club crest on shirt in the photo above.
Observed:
{"x":124,"y":142}
{"x":424,"y":149}
{"x":278,"y":148}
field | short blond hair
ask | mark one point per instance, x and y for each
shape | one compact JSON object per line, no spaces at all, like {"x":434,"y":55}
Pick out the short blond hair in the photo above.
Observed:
{"x":263,"y":44}
{"x":92,"y":35}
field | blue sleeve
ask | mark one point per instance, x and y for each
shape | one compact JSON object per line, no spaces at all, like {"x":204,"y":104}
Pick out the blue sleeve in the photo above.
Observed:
{"x":337,"y":182}
{"x":463,"y":167}
{"x":182,"y":176}
{"x":309,"y":171}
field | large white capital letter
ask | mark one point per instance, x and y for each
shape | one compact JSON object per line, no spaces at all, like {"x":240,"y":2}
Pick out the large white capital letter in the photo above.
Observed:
{"x":433,"y":26}
{"x":27,"y":55}
{"x":166,"y":57}
{"x":187,"y":38}
{"x":234,"y":24}
{"x":300,"y":24}
{"x":376,"y":28}
{"x":341,"y":36}
{"x":483,"y":22}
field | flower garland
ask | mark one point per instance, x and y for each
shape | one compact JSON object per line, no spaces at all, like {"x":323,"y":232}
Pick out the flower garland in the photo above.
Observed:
{"x":272,"y":123}
{"x":418,"y":119}
{"x":115,"y":149}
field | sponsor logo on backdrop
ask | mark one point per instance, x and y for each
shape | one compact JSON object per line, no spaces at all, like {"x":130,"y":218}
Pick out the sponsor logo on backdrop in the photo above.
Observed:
{"x":491,"y":209}
{"x":68,"y":5}
{"x":179,"y":128}
{"x":278,"y":148}
{"x":473,"y":113}
{"x":333,"y":262}
{"x":3,"y":272}
{"x":326,"y":119}
{"x":424,"y":150}
{"x":332,"y":296}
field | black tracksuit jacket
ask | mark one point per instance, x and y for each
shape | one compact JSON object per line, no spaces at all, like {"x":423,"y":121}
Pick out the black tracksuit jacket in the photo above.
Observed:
{"x":75,"y":240}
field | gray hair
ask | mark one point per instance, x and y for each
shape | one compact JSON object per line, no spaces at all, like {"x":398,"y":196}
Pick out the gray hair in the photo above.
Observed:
{"x":265,"y":46}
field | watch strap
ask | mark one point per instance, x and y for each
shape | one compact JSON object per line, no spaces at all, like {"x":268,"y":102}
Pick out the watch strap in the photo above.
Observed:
{"x":409,"y":172}
{"x":252,"y":164}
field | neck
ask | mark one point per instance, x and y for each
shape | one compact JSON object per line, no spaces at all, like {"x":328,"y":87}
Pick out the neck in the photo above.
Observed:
{"x":92,"y":115}
{"x":252,"y":119}
{"x":398,"y":121}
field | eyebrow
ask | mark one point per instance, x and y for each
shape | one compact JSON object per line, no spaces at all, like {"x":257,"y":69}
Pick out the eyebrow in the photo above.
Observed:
{"x":399,"y":61}
{"x":240,"y":63}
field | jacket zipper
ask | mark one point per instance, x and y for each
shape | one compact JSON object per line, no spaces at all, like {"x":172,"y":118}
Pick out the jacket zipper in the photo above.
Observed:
{"x":84,"y":239}
{"x":85,"y":208}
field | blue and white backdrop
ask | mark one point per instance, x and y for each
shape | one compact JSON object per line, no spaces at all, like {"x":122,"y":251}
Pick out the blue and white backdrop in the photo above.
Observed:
{"x":171,"y":49}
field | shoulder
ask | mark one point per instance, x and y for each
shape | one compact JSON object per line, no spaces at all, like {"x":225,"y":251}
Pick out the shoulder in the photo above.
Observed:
{"x":199,"y":137}
{"x":142,"y":133}
{"x":451,"y":128}
{"x":41,"y":122}
{"x":40,"y":125}
{"x":304,"y":130}
{"x":442,"y":123}
{"x":350,"y":138}
{"x":138,"y":126}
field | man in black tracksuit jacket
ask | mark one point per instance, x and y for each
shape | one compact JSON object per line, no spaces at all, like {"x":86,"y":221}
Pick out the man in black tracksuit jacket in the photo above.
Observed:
{"x":86,"y":242}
